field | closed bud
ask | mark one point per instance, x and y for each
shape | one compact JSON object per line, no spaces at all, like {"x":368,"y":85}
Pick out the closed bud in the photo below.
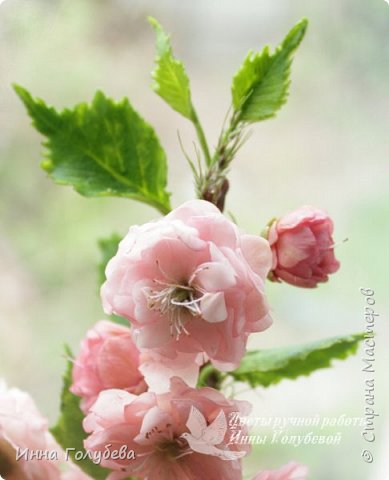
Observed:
{"x":303,"y":248}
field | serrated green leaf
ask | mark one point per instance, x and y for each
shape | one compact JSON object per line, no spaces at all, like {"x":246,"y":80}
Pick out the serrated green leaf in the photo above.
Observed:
{"x":170,"y":79}
{"x":260,"y":87}
{"x":68,"y":431}
{"x":102,"y":149}
{"x":268,"y":367}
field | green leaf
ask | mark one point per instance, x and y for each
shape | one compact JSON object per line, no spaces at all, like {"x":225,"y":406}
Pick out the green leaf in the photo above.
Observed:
{"x":267,"y":367}
{"x":68,"y":431}
{"x":102,"y":149}
{"x":108,"y":248}
{"x":170,"y":79}
{"x":260,"y":87}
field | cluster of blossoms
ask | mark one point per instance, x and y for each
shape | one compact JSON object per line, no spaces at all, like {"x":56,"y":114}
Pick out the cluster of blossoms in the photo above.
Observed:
{"x":192,"y":287}
{"x":189,"y":290}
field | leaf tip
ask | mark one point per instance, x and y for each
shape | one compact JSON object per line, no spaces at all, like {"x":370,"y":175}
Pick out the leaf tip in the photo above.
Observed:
{"x":22,"y":93}
{"x":153,"y":22}
{"x":18,"y":88}
{"x":304,"y":22}
{"x":303,"y":26}
{"x":297,"y":33}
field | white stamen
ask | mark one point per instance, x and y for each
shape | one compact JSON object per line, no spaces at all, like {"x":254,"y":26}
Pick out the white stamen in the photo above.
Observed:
{"x":188,"y":452}
{"x":341,"y":242}
{"x":170,"y":301}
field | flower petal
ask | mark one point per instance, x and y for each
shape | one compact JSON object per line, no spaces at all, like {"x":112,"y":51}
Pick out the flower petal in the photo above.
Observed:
{"x":213,"y":307}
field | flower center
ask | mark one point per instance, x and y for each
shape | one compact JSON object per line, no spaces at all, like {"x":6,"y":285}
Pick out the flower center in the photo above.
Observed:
{"x":175,"y":301}
{"x":173,"y":449}
{"x":8,"y":465}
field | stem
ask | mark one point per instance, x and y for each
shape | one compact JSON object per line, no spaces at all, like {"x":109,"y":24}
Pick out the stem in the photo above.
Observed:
{"x":213,"y":186}
{"x":201,"y":137}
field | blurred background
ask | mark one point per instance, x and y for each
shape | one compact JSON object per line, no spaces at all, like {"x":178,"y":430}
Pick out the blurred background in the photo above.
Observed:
{"x":328,"y":147}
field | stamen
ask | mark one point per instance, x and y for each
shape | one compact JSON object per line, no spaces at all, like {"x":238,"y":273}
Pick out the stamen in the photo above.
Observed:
{"x":188,"y":452}
{"x":335,"y":245}
{"x":175,"y":300}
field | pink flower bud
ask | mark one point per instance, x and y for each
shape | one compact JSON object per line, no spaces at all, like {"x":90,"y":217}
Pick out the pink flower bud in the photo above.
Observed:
{"x":303,"y":248}
{"x":108,"y":359}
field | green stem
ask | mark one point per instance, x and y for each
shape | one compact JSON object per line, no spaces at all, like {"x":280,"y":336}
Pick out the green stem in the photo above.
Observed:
{"x":201,"y":137}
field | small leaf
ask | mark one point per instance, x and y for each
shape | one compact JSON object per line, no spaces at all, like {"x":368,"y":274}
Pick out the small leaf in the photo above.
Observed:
{"x":267,"y":367}
{"x":170,"y":79}
{"x":260,"y":87}
{"x":69,"y":432}
{"x":102,"y":149}
{"x":108,"y":248}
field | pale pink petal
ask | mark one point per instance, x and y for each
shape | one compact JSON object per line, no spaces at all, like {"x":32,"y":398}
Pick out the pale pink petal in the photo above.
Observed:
{"x":213,"y":307}
{"x":156,"y":426}
{"x":256,"y":251}
{"x":214,"y":276}
{"x":158,"y":370}
{"x":108,"y":408}
{"x":193,"y":208}
{"x":151,"y":336}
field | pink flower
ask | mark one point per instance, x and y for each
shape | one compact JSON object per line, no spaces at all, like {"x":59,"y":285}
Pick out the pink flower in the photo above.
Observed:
{"x":155,"y":428}
{"x":303,"y":248}
{"x":108,"y":359}
{"x":192,"y":283}
{"x":24,"y":432}
{"x":291,"y":471}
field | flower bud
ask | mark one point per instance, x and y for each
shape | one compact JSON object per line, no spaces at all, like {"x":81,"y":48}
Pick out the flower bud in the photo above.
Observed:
{"x":108,"y":359}
{"x":303,"y":248}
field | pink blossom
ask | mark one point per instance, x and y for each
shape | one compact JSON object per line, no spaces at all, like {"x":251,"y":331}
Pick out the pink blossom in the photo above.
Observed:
{"x":24,"y":429}
{"x":154,"y":427}
{"x":291,"y":471}
{"x":108,"y":359}
{"x":303,"y":248}
{"x":192,"y":283}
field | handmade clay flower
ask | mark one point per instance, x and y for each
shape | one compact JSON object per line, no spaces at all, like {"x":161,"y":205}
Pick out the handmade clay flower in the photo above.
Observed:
{"x":303,"y":248}
{"x":108,"y":359}
{"x":192,"y":283}
{"x":182,"y":434}
{"x":27,"y":450}
{"x":291,"y":471}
